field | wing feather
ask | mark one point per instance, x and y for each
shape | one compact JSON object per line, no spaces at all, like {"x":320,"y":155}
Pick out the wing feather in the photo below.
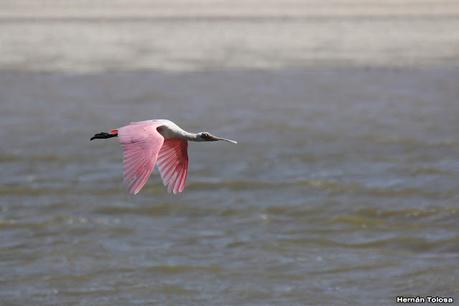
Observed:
{"x":141,"y":144}
{"x":173,"y":164}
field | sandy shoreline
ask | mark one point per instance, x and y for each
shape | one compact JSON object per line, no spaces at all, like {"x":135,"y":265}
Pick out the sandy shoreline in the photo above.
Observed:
{"x":235,"y":8}
{"x":89,"y":36}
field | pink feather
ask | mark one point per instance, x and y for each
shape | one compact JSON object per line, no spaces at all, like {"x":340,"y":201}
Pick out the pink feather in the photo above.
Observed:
{"x":173,"y":164}
{"x":143,"y":147}
{"x":141,"y":144}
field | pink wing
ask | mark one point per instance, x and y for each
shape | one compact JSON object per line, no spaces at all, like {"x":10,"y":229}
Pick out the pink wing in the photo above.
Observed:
{"x":141,"y":144}
{"x":173,"y":164}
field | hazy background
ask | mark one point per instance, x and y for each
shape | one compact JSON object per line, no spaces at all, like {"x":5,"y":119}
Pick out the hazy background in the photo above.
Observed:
{"x":343,"y":188}
{"x":88,"y":36}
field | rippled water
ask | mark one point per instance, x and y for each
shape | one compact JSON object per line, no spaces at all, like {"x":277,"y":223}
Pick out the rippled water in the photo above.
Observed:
{"x":343,"y":189}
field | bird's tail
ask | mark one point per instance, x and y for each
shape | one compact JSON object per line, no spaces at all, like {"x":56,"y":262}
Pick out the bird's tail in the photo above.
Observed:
{"x":103,"y":135}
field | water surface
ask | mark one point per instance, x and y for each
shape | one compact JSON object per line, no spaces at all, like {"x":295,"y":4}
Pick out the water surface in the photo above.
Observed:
{"x":343,"y":188}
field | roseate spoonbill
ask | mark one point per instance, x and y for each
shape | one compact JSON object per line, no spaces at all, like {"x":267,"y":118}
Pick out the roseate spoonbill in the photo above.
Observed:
{"x":160,"y":142}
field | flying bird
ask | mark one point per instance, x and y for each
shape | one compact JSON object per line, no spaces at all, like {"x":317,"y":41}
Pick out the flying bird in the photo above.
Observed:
{"x":156,"y":142}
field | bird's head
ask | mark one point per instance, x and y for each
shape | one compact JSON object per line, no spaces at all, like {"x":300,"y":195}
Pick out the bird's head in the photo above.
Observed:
{"x":206,"y":136}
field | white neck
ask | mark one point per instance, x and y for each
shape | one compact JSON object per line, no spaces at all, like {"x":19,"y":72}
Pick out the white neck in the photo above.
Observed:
{"x":191,"y":136}
{"x":170,"y":130}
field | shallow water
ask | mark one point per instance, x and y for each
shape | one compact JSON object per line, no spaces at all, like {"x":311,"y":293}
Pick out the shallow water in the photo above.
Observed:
{"x":343,"y":189}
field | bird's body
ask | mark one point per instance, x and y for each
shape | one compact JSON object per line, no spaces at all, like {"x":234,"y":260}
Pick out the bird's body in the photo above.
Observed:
{"x":156,"y":142}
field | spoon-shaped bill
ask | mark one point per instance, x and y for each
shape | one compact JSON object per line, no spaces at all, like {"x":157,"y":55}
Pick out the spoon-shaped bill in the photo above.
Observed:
{"x":228,"y":140}
{"x":215,"y":138}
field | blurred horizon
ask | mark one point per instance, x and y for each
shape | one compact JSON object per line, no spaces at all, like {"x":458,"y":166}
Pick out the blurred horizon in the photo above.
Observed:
{"x":91,"y":36}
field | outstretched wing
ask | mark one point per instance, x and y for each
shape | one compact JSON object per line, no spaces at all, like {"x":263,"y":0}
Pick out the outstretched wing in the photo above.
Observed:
{"x":141,"y":144}
{"x":173,"y":164}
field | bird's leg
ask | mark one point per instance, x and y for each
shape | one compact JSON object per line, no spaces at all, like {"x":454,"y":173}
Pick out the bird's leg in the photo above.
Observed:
{"x":104,"y":135}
